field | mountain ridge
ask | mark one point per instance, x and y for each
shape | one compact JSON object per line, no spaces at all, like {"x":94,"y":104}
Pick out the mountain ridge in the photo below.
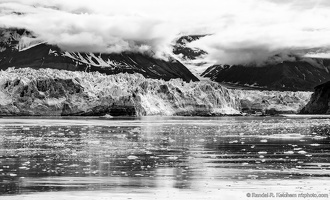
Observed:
{"x":38,"y":54}
{"x":293,"y":76}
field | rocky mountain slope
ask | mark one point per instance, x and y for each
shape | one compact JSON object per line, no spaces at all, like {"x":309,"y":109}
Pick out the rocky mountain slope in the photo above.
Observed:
{"x":284,"y":71}
{"x":192,"y":58}
{"x":20,"y":48}
{"x":320,"y":101}
{"x":188,"y":53}
{"x":27,"y":91}
{"x":302,"y":74}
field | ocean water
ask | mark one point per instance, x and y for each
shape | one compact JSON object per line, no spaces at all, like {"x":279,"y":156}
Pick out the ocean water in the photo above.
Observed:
{"x":165,"y":158}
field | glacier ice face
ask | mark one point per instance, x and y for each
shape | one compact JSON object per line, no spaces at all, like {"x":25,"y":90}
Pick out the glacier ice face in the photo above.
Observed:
{"x":271,"y":102}
{"x":58,"y":92}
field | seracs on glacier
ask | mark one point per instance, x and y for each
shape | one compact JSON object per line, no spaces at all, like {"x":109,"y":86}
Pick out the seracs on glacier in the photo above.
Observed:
{"x":27,"y":91}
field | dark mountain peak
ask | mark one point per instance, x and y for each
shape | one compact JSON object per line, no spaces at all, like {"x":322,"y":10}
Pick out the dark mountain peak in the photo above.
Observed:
{"x":187,"y":53}
{"x":188,"y":38}
{"x":13,"y":39}
{"x":319,"y":102}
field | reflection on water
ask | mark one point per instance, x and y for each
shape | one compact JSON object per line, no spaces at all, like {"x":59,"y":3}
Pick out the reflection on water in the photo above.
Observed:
{"x":182,"y":153}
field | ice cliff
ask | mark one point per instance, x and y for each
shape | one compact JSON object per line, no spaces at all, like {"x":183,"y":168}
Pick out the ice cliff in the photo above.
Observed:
{"x":27,"y":91}
{"x":271,"y":102}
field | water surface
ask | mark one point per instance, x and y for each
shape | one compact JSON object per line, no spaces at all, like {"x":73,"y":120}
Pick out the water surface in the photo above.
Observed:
{"x":162,"y":157}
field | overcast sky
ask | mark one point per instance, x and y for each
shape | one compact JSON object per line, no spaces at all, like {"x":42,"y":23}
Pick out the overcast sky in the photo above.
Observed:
{"x":241,"y":30}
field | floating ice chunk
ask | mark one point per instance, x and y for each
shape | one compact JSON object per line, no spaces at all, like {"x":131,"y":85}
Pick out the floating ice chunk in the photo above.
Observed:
{"x":138,"y":174}
{"x":132,"y":157}
{"x":23,"y":168}
{"x":253,"y":176}
{"x":288,"y":152}
{"x":262,"y":152}
{"x":172,"y":158}
{"x":319,"y":137}
{"x":73,"y":165}
{"x":315,"y":145}
{"x":264,"y":141}
{"x":302,"y":152}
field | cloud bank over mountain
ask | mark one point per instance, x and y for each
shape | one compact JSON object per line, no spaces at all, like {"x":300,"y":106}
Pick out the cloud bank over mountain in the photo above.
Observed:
{"x":240,"y":31}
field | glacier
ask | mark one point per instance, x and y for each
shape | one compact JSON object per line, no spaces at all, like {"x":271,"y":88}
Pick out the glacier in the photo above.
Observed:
{"x":52,"y":92}
{"x":271,"y":102}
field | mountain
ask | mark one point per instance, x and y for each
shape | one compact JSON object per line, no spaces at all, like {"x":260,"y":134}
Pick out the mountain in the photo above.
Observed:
{"x":284,"y":71}
{"x":320,"y":100}
{"x":191,"y":57}
{"x":20,"y":48}
{"x":299,"y":73}
{"x":186,"y":52}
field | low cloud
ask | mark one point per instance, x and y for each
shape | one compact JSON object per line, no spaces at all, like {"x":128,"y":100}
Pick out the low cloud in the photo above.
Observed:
{"x":242,"y":32}
{"x":84,"y":29}
{"x":256,"y":35}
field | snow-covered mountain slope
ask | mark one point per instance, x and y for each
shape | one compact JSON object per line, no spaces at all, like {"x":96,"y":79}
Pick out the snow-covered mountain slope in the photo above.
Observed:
{"x":17,"y":39}
{"x":27,"y":91}
{"x":191,"y":57}
{"x":283,"y":71}
{"x":19,"y":48}
{"x":299,"y":74}
{"x":187,"y":53}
